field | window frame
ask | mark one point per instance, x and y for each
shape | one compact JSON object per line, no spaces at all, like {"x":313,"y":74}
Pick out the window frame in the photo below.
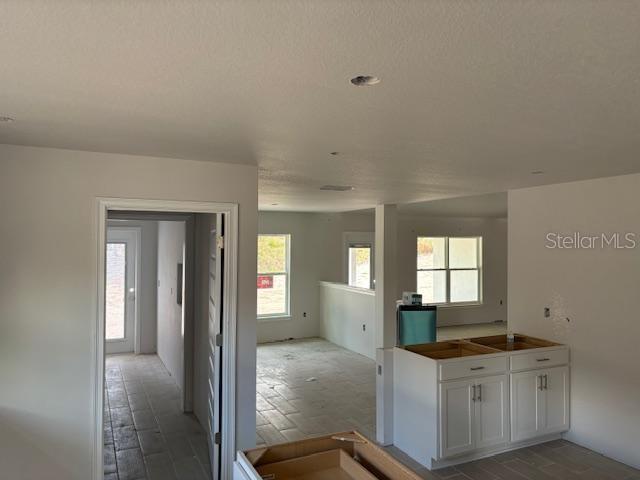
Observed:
{"x":448,"y":270}
{"x":287,"y":313}
{"x":360,"y":244}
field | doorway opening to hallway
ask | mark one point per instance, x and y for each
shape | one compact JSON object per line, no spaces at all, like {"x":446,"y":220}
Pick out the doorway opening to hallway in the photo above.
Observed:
{"x":168,"y":314}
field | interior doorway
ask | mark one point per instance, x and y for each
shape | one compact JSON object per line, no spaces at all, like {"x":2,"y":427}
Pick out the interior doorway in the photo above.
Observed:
{"x":167,"y":408}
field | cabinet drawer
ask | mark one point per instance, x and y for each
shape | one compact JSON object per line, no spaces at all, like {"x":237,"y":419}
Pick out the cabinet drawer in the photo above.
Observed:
{"x":473,"y":367}
{"x":531,"y":360}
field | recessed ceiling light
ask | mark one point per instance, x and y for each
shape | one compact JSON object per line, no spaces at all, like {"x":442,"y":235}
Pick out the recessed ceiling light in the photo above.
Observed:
{"x":6,"y":119}
{"x":365,"y":80}
{"x":337,"y":188}
{"x":537,"y":172}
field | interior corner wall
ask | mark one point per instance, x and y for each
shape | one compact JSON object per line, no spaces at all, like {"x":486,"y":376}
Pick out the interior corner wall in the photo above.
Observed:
{"x":171,"y":253}
{"x":593,"y":297}
{"x":316,"y":254}
{"x":148,"y":277}
{"x":48,"y":293}
{"x":494,"y":263}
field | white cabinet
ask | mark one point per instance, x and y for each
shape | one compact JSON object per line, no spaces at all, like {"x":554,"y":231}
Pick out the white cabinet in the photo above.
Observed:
{"x":555,"y":400}
{"x":456,"y":418}
{"x":539,"y":403}
{"x":474,"y":414}
{"x":448,"y":408}
{"x":492,"y":411}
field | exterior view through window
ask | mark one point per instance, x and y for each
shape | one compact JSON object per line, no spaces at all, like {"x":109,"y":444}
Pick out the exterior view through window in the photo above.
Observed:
{"x":360,"y":266}
{"x":115,"y":290}
{"x":273,"y":275}
{"x":449,"y":269}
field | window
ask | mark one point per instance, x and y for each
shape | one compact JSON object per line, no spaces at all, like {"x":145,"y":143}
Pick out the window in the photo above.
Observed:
{"x":273,"y":275}
{"x":449,"y":269}
{"x":360,"y":265}
{"x":115,"y":290}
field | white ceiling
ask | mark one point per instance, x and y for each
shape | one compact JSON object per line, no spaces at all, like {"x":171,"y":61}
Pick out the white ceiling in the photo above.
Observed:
{"x":474,"y":95}
{"x":489,"y":205}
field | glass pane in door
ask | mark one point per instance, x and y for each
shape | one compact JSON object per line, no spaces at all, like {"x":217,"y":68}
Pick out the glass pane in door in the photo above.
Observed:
{"x":115,"y":290}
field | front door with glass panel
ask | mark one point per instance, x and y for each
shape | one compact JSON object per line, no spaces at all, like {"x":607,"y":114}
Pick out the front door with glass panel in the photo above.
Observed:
{"x":120,"y":292}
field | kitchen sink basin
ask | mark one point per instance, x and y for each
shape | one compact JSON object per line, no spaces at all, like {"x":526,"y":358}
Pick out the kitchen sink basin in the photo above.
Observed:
{"x":520,"y":342}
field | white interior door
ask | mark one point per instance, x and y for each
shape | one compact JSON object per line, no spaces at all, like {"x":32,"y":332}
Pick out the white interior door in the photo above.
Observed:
{"x":120,"y":290}
{"x":216,"y":269}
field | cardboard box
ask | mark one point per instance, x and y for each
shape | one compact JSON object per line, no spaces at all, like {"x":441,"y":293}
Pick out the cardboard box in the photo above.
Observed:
{"x":341,"y":456}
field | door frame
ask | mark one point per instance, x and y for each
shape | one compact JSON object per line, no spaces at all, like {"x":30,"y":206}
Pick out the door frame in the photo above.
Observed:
{"x":229,"y":319}
{"x":137,"y":232}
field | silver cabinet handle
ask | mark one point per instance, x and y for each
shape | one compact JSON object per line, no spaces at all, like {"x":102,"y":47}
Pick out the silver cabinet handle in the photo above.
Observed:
{"x":542,"y":359}
{"x":474,"y":393}
{"x":546,"y":380}
{"x":539,"y":377}
{"x":476,"y":368}
{"x":479,"y":393}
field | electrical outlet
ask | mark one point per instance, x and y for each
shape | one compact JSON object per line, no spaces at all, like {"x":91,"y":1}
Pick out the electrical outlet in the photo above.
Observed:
{"x":547,"y":312}
{"x":304,"y":314}
{"x":364,"y":327}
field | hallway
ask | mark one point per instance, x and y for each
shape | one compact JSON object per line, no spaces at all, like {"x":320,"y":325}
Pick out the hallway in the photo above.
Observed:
{"x":146,"y":436}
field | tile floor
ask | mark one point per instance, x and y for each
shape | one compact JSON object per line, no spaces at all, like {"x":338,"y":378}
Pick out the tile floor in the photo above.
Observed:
{"x":146,"y":436}
{"x":556,"y":460}
{"x":310,"y":386}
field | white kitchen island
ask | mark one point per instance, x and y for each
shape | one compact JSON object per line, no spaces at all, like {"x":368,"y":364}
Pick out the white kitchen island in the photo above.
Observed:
{"x":461,"y":400}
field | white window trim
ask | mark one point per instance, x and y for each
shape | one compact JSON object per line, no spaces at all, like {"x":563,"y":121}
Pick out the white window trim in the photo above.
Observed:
{"x":368,"y":245}
{"x":447,"y":270}
{"x":350,"y":238}
{"x":286,"y":315}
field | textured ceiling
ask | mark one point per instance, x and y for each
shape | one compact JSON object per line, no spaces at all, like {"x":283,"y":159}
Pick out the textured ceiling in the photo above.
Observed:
{"x":489,"y":205}
{"x":474,"y":95}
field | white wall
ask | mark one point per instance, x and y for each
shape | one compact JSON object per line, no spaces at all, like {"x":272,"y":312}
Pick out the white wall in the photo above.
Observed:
{"x":171,"y":250}
{"x":316,"y":254}
{"x":146,"y":295}
{"x":494,"y":258}
{"x":347,"y":317}
{"x":48,"y":292}
{"x":594,"y":301}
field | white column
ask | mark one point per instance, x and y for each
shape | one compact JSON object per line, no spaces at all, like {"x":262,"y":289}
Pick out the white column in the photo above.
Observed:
{"x":386,"y":293}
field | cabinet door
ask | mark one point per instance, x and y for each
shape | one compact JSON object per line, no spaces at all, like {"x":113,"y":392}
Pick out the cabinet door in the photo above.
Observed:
{"x":491,"y":411}
{"x":556,"y":401}
{"x":456,"y":418}
{"x":526,"y":405}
